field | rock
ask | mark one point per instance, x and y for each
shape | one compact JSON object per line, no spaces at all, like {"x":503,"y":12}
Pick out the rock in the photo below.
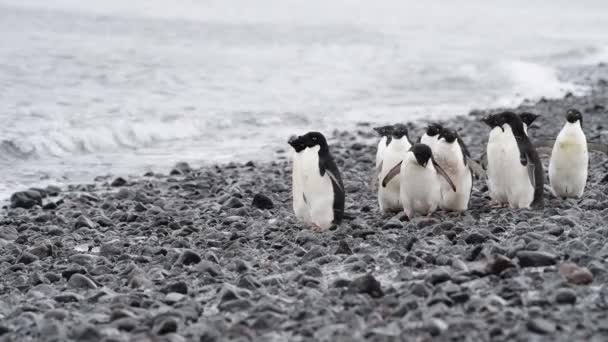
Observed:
{"x":174,"y":297}
{"x":541,"y":326}
{"x":498,"y":263}
{"x":208,"y":267}
{"x":234,"y":203}
{"x":8,"y":233}
{"x":118,"y":182}
{"x":575,"y":274}
{"x":366,"y":284}
{"x":83,"y":221}
{"x":183,"y":167}
{"x":125,"y":193}
{"x":438,"y":276}
{"x":475,"y":238}
{"x":343,"y":248}
{"x":68,"y":297}
{"x":178,"y":287}
{"x":80,"y":281}
{"x":565,"y":296}
{"x":535,"y":258}
{"x":42,"y":251}
{"x":52,"y":190}
{"x":26,"y":258}
{"x":110,"y":248}
{"x":26,"y":199}
{"x":262,"y":201}
{"x":188,"y":257}
{"x":312,"y":254}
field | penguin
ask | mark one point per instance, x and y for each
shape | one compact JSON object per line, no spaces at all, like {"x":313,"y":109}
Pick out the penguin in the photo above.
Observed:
{"x":569,"y":161}
{"x":515,"y":172}
{"x":385,"y":133}
{"x":300,"y":206}
{"x":528,"y":118}
{"x":420,"y":186}
{"x":431,"y":136}
{"x":388,"y":194}
{"x":452,"y":155}
{"x":321,"y":181}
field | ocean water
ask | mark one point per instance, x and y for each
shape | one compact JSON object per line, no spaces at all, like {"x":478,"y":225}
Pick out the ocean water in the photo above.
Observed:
{"x":91,"y":88}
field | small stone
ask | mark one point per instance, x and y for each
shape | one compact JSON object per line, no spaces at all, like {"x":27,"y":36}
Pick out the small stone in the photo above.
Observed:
{"x":118,"y":182}
{"x":343,"y":248}
{"x":52,"y":190}
{"x":188,"y":257}
{"x":183,"y":167}
{"x":109,"y":249}
{"x":262,"y":201}
{"x":27,"y":258}
{"x":80,"y":281}
{"x":565,"y":296}
{"x":366,"y":284}
{"x":575,"y":274}
{"x":498,"y":263}
{"x":68,"y":297}
{"x":536,"y":258}
{"x":438,"y":276}
{"x":312,"y":254}
{"x":174,"y":297}
{"x":178,"y":287}
{"x":234,"y":203}
{"x":83,"y":221}
{"x":475,"y":238}
{"x":26,"y":199}
{"x":125,"y":193}
{"x":8,"y":233}
{"x":541,"y":326}
{"x":208,"y":267}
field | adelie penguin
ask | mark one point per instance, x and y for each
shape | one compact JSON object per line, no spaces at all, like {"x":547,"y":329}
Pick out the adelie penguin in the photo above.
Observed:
{"x":452,"y":155}
{"x":385,"y":133}
{"x":420,"y":184}
{"x":319,"y":180}
{"x":431,"y":136}
{"x":569,"y":162}
{"x":515,"y":172}
{"x":388,"y":194}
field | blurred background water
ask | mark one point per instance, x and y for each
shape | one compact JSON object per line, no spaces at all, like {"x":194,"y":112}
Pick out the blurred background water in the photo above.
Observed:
{"x":89,"y":88}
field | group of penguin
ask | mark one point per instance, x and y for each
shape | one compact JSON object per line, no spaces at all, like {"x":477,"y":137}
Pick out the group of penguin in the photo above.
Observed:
{"x":437,"y":171}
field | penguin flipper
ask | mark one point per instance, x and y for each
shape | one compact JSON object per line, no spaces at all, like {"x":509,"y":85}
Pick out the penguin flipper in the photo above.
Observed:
{"x":391,"y":174}
{"x":530,"y":167}
{"x":443,"y":174}
{"x":334,"y":179}
{"x":484,"y":161}
{"x":598,"y":147}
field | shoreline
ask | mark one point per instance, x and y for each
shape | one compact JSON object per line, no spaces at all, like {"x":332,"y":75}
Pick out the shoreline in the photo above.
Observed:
{"x":191,"y":254}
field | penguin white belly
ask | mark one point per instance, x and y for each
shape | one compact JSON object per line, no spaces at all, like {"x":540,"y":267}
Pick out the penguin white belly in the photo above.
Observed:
{"x":496,"y":166}
{"x":317,"y":189}
{"x":388,"y":197}
{"x":514,"y":175}
{"x":460,"y":175}
{"x":420,"y":189}
{"x":380,"y":151}
{"x":429,"y":141}
{"x":569,"y":162}
{"x":300,"y":207}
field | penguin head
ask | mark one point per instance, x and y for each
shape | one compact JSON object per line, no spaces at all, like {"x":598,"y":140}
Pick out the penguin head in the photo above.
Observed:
{"x":528,"y":118}
{"x":384,"y":131}
{"x":312,"y":139}
{"x":573,"y":116}
{"x":297,"y":143}
{"x":434,"y":129}
{"x":514,"y":121}
{"x":449,"y":135}
{"x":493,"y":120}
{"x":422,"y":153}
{"x":400,"y":131}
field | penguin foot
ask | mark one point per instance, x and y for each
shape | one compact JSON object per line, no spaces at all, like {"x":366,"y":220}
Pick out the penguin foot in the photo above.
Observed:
{"x":316,"y":228}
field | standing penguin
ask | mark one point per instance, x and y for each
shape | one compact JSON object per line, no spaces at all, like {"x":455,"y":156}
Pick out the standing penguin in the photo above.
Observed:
{"x":300,"y":207}
{"x":420,"y":184}
{"x":431,"y":136}
{"x":385,"y":133}
{"x":515,"y":172}
{"x":322,"y":187}
{"x":388,"y":194}
{"x":528,"y":118}
{"x":453,"y":157}
{"x":569,"y":159}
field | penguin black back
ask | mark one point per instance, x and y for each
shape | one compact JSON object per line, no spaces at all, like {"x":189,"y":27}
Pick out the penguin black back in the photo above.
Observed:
{"x":327,"y":165}
{"x":528,"y":155}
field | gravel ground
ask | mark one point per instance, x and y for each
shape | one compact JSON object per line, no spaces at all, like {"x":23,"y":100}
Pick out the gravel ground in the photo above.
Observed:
{"x":215,"y":254}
